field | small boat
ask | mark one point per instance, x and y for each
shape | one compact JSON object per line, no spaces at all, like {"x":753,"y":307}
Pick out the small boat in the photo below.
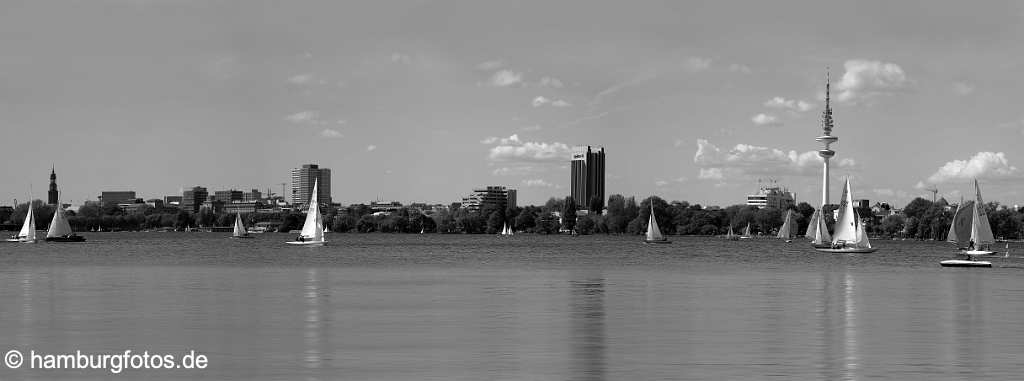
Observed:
{"x":60,"y":229}
{"x":312,"y":233}
{"x":786,"y":231}
{"x":746,"y":232}
{"x":731,"y":235}
{"x":965,"y":263}
{"x":653,"y":233}
{"x":422,"y":230}
{"x":849,"y":236}
{"x":817,"y":231}
{"x":239,"y":230}
{"x":28,"y":229}
{"x":970,"y":229}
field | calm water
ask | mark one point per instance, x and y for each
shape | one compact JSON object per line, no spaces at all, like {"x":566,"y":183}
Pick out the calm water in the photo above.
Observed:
{"x":412,"y":307}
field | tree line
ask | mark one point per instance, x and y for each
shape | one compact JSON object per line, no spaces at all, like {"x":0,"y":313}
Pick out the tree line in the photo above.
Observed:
{"x":921,"y":219}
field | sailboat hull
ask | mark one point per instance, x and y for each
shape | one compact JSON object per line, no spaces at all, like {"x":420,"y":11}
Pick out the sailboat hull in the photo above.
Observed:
{"x":74,"y":238}
{"x":975,"y":253}
{"x":847,"y":250}
{"x":657,"y":241}
{"x":241,"y":236}
{"x":306,"y":243}
{"x":964,"y":263}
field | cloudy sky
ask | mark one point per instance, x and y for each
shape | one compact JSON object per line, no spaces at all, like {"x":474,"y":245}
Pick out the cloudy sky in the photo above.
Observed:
{"x":424,"y":100}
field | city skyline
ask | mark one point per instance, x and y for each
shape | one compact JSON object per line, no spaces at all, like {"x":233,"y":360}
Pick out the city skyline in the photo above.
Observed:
{"x":695,"y":100}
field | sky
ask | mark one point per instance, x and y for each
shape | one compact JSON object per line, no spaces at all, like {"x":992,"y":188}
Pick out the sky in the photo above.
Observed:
{"x":422,"y":101}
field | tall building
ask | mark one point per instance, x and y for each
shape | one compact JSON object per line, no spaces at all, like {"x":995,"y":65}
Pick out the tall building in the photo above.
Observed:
{"x":497,"y":197}
{"x":227,"y":195}
{"x":193,"y":199}
{"x":587,"y":176}
{"x":302,"y":184}
{"x":771,"y":196}
{"x":52,"y":194}
{"x":826,"y":139}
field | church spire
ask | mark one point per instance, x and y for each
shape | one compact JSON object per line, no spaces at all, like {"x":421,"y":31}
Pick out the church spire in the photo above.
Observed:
{"x":52,"y":194}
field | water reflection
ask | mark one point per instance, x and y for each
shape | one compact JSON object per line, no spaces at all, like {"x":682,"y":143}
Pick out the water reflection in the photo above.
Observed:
{"x":315,"y":329}
{"x":587,"y":315}
{"x":839,"y":327}
{"x":968,"y":315}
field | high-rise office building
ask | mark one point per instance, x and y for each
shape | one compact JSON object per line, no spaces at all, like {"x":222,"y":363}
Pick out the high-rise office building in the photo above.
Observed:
{"x":52,"y":194}
{"x":193,"y":199}
{"x":587,"y":176}
{"x":302,"y":184}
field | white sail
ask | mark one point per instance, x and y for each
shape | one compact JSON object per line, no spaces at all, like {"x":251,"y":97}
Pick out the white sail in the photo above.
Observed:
{"x":28,"y":229}
{"x":730,"y":234}
{"x":960,"y":229}
{"x":653,"y":233}
{"x":239,"y":230}
{"x":981,"y":231}
{"x":746,"y":230}
{"x":313,"y":228}
{"x":817,"y":229}
{"x":59,"y":225}
{"x":786,"y":231}
{"x":848,"y":226}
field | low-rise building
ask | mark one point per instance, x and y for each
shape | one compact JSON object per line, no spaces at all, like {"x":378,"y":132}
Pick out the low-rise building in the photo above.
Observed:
{"x":490,"y":197}
{"x":770,"y":196}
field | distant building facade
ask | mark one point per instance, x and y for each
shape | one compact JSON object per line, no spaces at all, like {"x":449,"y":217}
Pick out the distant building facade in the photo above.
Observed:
{"x":193,"y":199}
{"x":227,"y":195}
{"x":173,"y":200}
{"x":302,"y":184}
{"x":770,"y":196}
{"x":587,"y":180}
{"x":52,"y":195}
{"x":117,"y":197}
{"x":253,"y":195}
{"x":490,"y":197}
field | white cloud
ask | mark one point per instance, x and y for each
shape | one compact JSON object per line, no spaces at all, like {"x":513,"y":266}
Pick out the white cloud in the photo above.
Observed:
{"x":865,"y":79}
{"x":539,"y":183}
{"x":789,"y":104}
{"x":698,"y":63}
{"x":308,"y":116}
{"x":541,"y":101}
{"x":550,"y":82}
{"x":489,"y":140}
{"x":329,"y":133}
{"x":535,"y":127}
{"x":983,"y":165}
{"x":749,"y":160}
{"x":517,"y":170}
{"x":400,"y":58}
{"x":963,"y":88}
{"x":660,"y":183}
{"x":490,"y":65}
{"x":678,"y":143}
{"x":371,"y":147}
{"x":766,"y":120}
{"x":300,"y":79}
{"x":710,"y":174}
{"x":740,"y":68}
{"x":513,"y":149}
{"x":504,"y":78}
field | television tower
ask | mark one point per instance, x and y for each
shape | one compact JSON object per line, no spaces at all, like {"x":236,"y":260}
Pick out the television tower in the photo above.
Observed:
{"x":826,"y":139}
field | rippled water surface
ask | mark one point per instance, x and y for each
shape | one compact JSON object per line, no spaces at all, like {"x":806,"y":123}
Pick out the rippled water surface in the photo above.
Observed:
{"x":453,"y":307}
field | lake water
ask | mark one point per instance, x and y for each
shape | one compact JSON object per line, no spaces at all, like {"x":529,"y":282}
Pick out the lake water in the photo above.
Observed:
{"x":454,"y":307}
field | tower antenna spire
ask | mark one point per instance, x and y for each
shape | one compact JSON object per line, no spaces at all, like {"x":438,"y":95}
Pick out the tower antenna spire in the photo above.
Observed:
{"x":826,"y":139}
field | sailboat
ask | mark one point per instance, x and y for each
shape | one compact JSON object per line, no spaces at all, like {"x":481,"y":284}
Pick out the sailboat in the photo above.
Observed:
{"x":731,"y":235}
{"x":746,"y":232}
{"x":60,"y":229}
{"x":313,"y":229}
{"x":28,"y":229}
{"x":817,"y":231}
{"x":653,"y":233}
{"x":506,"y":229}
{"x":786,"y":231}
{"x":971,"y":232}
{"x":239,"y":231}
{"x":849,"y":236}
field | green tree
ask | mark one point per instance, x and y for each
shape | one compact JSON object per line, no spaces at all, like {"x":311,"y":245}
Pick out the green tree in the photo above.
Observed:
{"x":568,"y":214}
